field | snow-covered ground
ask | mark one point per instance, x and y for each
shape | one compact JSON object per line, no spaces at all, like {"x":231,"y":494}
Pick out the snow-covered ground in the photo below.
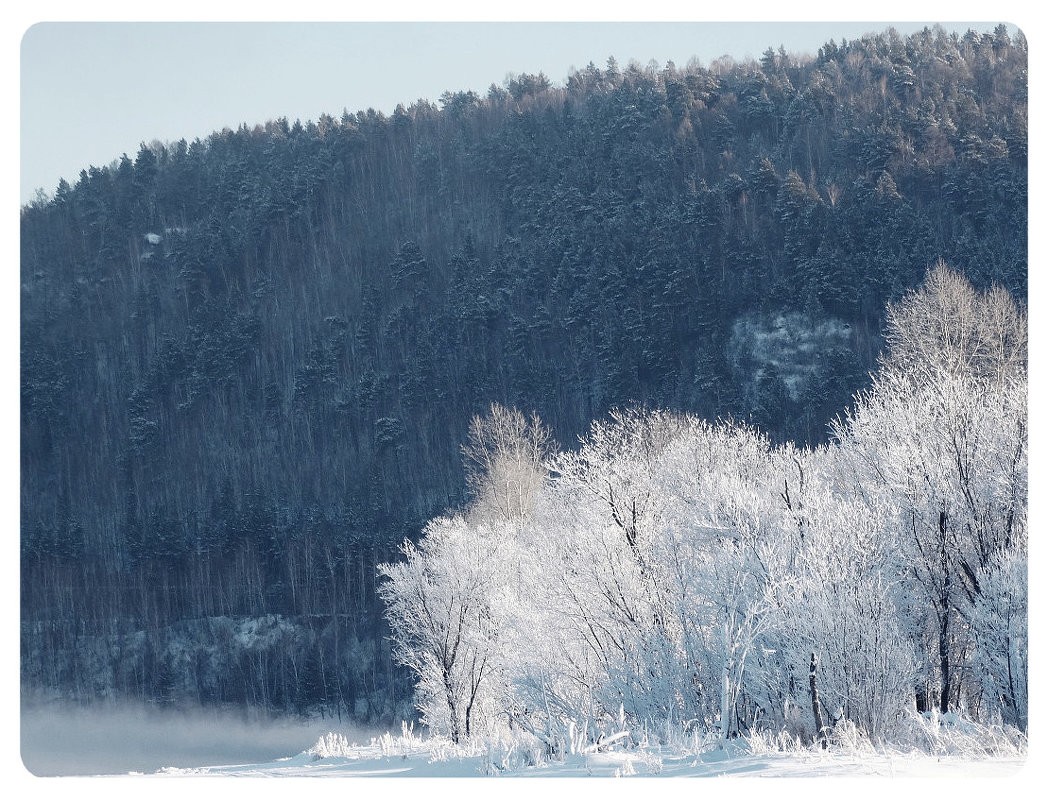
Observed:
{"x":371,"y":761}
{"x":409,"y":755}
{"x":129,"y":745}
{"x":617,"y":775}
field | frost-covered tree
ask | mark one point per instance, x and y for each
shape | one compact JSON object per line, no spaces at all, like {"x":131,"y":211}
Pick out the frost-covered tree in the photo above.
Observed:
{"x":999,"y":626}
{"x":453,"y":603}
{"x":653,"y":536}
{"x":505,"y":461}
{"x":719,"y":539}
{"x":593,"y":584}
{"x":945,"y":328}
{"x":836,"y":599}
{"x":942,"y":435}
{"x":444,"y":607}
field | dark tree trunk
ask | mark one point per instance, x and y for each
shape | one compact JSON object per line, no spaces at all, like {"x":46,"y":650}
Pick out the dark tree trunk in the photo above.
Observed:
{"x":456,"y":734}
{"x":944,"y":663}
{"x":922,"y":700}
{"x":816,"y":707}
{"x":944,"y":621}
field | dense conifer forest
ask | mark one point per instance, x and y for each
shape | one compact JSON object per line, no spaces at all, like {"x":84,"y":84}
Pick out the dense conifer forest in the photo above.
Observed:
{"x":249,"y":363}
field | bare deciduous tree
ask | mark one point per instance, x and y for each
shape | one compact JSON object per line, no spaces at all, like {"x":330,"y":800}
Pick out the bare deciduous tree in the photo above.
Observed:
{"x":505,"y":461}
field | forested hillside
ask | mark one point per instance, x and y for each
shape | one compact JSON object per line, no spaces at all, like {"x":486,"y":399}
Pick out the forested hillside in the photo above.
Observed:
{"x":249,"y":363}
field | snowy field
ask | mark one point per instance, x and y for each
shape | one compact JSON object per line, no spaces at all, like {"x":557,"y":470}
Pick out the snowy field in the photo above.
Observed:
{"x":372,"y":761}
{"x":137,"y":743}
{"x":130,"y":751}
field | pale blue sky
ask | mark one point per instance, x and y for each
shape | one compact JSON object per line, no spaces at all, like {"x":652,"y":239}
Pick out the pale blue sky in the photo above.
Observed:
{"x":92,"y":91}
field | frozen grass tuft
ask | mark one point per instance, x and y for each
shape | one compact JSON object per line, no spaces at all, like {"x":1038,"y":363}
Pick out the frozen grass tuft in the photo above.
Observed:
{"x":510,"y":752}
{"x":409,"y":744}
{"x":932,"y":734}
{"x":956,"y":735}
{"x":765,"y":742}
{"x":330,"y":745}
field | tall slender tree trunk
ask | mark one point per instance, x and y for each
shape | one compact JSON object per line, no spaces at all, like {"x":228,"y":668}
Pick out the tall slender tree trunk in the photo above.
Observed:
{"x":456,"y":732}
{"x":944,"y":661}
{"x":725,"y":701}
{"x":726,"y":684}
{"x":816,"y":707}
{"x":944,"y":621}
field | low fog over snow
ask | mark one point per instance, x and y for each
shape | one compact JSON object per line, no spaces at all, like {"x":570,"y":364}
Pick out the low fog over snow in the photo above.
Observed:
{"x":60,"y":740}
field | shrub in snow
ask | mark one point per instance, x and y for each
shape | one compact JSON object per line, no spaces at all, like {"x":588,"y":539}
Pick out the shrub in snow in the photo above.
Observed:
{"x":626,"y":769}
